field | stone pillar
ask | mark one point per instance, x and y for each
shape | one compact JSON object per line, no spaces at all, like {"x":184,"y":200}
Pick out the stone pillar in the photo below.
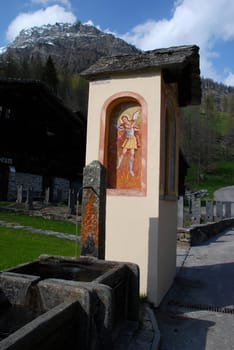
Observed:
{"x":29,"y":200}
{"x":209,"y":211}
{"x":180,"y":212}
{"x":47,"y":195}
{"x":219,"y":210}
{"x":19,"y":194}
{"x":196,"y":211}
{"x":228,"y":209}
{"x":93,"y":210}
{"x":72,"y":201}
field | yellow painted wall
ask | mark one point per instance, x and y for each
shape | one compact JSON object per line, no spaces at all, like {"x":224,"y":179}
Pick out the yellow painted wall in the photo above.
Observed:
{"x":166,"y":246}
{"x":134,"y":232}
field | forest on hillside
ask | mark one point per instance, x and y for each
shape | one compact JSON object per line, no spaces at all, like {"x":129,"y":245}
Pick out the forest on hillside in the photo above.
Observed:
{"x":72,"y":89}
{"x":207,"y":138}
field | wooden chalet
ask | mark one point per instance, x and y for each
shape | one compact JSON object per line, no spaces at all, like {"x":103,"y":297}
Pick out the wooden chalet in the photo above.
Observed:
{"x":38,"y":134}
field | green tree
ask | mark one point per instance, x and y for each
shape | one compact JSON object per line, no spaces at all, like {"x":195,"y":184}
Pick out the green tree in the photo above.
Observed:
{"x":230,"y":108}
{"x":10,"y":68}
{"x":224,"y":103}
{"x":25,"y":69}
{"x":73,"y":90}
{"x":49,"y":75}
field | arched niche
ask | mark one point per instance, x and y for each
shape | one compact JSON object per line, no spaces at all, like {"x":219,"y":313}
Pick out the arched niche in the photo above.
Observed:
{"x":123,"y":143}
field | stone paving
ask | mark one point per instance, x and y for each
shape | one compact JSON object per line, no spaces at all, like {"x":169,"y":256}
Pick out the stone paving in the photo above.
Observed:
{"x":37,"y":230}
{"x":142,"y":336}
{"x":197,"y":313}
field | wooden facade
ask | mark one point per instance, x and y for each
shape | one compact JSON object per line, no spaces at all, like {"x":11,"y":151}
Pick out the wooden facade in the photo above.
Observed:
{"x":38,"y":134}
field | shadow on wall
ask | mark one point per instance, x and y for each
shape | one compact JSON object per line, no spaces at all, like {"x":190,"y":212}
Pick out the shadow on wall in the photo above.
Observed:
{"x":161,"y":260}
{"x":152,"y":286}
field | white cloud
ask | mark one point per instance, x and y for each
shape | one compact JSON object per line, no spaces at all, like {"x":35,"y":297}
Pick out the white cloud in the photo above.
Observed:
{"x":49,"y":15}
{"x":90,"y":23}
{"x":107,"y":30}
{"x":193,"y":22}
{"x":229,"y":80}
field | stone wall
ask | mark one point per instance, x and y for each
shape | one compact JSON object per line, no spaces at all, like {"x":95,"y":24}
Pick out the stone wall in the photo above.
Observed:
{"x":195,"y":235}
{"x":60,"y":189}
{"x":195,"y":211}
{"x":24,"y":179}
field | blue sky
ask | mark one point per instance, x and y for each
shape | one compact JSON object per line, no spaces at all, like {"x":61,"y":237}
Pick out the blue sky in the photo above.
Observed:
{"x":149,"y":25}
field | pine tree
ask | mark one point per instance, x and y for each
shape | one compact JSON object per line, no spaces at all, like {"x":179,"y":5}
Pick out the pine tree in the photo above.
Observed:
{"x":49,"y":75}
{"x":10,"y":68}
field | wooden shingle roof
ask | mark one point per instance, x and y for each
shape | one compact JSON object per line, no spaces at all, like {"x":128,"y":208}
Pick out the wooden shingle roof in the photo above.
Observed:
{"x":178,"y":65}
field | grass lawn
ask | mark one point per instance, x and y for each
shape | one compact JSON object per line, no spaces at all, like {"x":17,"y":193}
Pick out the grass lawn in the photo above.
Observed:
{"x":222,"y":175}
{"x":18,"y":246}
{"x":40,"y":222}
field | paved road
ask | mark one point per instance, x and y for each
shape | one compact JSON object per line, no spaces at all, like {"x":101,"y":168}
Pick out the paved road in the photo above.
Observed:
{"x":198,"y":311}
{"x":224,"y":194}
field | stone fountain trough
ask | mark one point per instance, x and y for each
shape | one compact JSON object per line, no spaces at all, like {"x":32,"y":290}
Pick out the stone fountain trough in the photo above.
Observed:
{"x":66,"y":302}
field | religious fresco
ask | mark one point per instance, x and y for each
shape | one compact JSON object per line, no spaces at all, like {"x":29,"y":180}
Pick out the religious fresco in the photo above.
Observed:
{"x":124,"y":146}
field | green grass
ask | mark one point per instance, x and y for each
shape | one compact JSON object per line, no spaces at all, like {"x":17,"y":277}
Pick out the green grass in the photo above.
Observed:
{"x":18,"y":246}
{"x":40,"y":222}
{"x":6,"y":203}
{"x":221,"y":175}
{"x":222,"y":122}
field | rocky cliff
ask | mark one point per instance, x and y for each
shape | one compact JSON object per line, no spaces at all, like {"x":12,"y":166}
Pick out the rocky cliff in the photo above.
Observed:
{"x":73,"y":47}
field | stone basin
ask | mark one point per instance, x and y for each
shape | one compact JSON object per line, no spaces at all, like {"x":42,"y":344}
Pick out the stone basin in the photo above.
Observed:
{"x":101,"y":294}
{"x":77,"y":269}
{"x":13,"y":317}
{"x":59,"y":328}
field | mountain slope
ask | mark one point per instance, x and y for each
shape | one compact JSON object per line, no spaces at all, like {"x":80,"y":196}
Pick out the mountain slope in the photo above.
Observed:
{"x":73,"y":47}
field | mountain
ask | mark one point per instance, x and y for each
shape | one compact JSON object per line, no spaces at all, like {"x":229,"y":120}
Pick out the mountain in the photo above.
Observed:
{"x":73,"y":47}
{"x":222,"y":96}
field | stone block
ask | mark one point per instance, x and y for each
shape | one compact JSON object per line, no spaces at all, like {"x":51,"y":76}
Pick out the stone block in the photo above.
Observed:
{"x":16,"y":286}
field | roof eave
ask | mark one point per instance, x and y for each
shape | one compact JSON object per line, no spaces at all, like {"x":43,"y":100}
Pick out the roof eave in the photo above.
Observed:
{"x":178,"y":65}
